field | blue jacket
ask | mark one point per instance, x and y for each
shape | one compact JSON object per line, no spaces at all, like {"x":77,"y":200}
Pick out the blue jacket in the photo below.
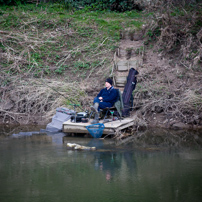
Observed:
{"x":109,"y":95}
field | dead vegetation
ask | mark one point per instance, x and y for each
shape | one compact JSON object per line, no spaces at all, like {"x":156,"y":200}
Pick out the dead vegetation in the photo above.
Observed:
{"x":177,"y":30}
{"x":169,"y":91}
{"x":41,"y":54}
{"x":33,"y":100}
{"x":36,"y":54}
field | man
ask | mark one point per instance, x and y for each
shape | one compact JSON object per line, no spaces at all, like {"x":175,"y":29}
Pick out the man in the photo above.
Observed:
{"x":105,"y":98}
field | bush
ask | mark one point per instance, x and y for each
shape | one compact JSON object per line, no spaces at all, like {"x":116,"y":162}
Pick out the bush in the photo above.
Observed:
{"x":12,"y":2}
{"x":113,"y":5}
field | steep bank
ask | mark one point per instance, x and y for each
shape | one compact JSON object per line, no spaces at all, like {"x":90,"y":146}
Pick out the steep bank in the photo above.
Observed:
{"x":72,"y":53}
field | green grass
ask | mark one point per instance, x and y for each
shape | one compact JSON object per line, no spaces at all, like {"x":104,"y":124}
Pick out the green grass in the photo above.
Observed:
{"x":48,"y":35}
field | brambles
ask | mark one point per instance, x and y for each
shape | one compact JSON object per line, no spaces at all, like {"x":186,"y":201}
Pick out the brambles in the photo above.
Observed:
{"x":176,"y":29}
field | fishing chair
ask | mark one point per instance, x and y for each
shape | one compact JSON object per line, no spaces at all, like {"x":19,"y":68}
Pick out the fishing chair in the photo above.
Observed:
{"x":117,"y":108}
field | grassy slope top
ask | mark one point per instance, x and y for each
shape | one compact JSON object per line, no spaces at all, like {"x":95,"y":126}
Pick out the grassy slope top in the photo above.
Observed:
{"x":49,"y":40}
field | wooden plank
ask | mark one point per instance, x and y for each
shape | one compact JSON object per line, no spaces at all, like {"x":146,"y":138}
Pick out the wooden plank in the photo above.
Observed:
{"x":118,"y":123}
{"x":110,"y":127}
{"x":70,"y":127}
{"x":120,"y":85}
{"x":82,"y":129}
{"x":126,"y":126}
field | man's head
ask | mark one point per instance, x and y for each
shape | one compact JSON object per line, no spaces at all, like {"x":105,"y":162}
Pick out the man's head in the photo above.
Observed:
{"x":108,"y":83}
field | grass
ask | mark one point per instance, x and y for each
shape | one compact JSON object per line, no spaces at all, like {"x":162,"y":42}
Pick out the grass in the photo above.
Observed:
{"x":48,"y":35}
{"x":50,"y":42}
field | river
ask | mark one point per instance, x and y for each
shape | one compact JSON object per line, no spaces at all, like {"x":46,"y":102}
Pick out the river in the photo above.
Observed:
{"x":154,"y":165}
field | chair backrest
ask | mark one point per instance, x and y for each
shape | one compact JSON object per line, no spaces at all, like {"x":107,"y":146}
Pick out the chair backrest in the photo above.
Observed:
{"x":119,"y":103}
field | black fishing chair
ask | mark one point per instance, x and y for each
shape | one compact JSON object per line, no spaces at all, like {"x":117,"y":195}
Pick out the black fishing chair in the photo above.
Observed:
{"x":116,"y":110}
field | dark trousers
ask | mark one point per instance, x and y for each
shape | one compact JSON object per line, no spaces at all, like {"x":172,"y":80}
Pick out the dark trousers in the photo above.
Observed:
{"x":102,"y":105}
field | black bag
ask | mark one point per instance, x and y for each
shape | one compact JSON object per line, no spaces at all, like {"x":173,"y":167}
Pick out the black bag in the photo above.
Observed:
{"x":128,"y":90}
{"x":78,"y":119}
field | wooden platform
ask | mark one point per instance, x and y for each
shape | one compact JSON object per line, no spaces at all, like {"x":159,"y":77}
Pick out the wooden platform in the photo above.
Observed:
{"x":110,"y":127}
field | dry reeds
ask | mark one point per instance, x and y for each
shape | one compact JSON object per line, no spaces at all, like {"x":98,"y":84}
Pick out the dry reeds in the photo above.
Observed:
{"x":32,"y":98}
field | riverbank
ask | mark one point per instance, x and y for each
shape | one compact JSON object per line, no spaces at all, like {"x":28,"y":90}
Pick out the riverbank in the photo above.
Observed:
{"x":60,"y":57}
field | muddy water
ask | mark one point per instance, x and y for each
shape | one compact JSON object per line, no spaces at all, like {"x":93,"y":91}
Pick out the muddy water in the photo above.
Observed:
{"x":155,"y":165}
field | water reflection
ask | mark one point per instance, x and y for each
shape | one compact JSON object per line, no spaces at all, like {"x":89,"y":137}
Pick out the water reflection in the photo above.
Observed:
{"x":160,"y":138}
{"x":109,"y":159}
{"x":10,"y":129}
{"x":155,"y":165}
{"x":149,"y":138}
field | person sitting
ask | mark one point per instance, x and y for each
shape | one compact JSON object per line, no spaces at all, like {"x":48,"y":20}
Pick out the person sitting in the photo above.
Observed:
{"x":105,"y":98}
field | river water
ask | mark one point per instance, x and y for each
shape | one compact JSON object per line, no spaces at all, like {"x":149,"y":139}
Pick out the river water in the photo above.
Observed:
{"x":154,"y":165}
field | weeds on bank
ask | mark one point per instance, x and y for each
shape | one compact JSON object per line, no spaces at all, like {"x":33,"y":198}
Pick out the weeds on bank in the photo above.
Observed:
{"x":47,"y":41}
{"x":177,"y":29}
{"x":41,"y":40}
{"x":40,"y":97}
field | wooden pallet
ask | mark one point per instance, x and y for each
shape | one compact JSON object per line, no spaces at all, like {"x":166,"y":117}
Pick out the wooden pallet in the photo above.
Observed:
{"x":112,"y":127}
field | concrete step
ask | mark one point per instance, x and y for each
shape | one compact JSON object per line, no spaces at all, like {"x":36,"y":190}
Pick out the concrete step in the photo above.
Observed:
{"x":132,"y":35}
{"x":122,"y":66}
{"x":120,"y":81}
{"x":125,"y":65}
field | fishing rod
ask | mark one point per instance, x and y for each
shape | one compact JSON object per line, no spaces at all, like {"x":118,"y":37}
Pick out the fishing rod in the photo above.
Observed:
{"x":73,"y":104}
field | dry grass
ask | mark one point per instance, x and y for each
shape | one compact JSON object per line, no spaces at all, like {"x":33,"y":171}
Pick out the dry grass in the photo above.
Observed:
{"x":178,"y":29}
{"x":31,"y":52}
{"x":183,"y":105}
{"x":32,"y":98}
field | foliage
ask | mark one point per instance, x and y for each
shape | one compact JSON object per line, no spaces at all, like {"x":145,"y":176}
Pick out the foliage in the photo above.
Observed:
{"x":112,"y":5}
{"x":12,"y":2}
